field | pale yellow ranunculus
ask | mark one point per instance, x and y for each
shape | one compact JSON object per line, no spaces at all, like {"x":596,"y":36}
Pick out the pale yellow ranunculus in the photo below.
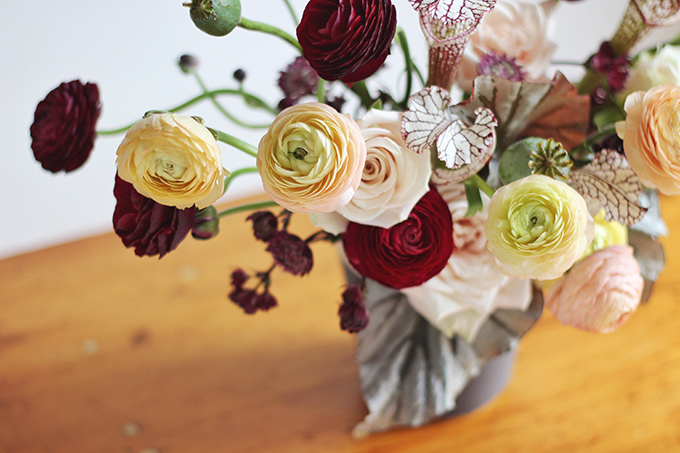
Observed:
{"x":311,"y":158}
{"x":172,"y":159}
{"x":651,"y":137}
{"x":537,"y":227}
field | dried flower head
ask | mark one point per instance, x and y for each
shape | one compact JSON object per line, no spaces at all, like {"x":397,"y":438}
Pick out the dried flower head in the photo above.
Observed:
{"x":353,"y":314}
{"x":500,"y":65}
{"x":291,"y":253}
{"x":265,"y":225}
{"x":298,"y":80}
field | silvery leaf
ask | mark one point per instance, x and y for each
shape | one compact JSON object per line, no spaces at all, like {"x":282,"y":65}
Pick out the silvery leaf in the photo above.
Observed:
{"x":652,"y":224}
{"x":650,"y":257}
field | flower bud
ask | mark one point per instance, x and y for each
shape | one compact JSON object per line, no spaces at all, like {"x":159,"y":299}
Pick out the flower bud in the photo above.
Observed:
{"x":206,"y":223}
{"x":353,"y":314}
{"x":238,"y":278}
{"x":215,"y":18}
{"x":188,"y":64}
{"x":240,"y":75}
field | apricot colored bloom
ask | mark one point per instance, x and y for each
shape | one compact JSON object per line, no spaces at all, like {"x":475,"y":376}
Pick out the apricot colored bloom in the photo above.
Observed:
{"x":600,"y":292}
{"x":172,"y":159}
{"x":537,"y":227}
{"x":651,"y":137}
{"x":311,"y":158}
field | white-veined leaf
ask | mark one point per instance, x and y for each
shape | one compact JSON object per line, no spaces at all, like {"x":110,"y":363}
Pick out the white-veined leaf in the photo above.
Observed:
{"x":424,"y":119}
{"x":609,"y":180}
{"x":454,"y":11}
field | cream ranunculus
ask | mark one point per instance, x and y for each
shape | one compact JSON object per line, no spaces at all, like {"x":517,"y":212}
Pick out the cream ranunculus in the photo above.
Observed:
{"x":600,"y":292}
{"x":652,"y":69}
{"x":471,"y":287}
{"x":518,"y":30}
{"x":172,"y":159}
{"x":311,"y":158}
{"x":537,"y":227}
{"x":651,"y":137}
{"x":394,"y":177}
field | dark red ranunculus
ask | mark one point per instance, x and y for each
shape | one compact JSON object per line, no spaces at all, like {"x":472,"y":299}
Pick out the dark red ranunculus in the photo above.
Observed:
{"x":63,"y":129}
{"x":347,"y":39}
{"x":407,"y":254}
{"x":150,"y":227}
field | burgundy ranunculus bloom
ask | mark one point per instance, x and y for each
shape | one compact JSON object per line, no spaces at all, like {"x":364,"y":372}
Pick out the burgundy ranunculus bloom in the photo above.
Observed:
{"x":407,"y":254}
{"x":150,"y":227}
{"x":63,"y":129}
{"x":291,"y":253}
{"x":347,"y":39}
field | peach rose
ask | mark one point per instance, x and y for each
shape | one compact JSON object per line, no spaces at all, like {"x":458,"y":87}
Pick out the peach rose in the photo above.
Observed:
{"x":518,"y":30}
{"x":172,"y":159}
{"x":651,"y":137}
{"x":471,"y":287}
{"x":393,"y":180}
{"x":601,"y":291}
{"x":311,"y":158}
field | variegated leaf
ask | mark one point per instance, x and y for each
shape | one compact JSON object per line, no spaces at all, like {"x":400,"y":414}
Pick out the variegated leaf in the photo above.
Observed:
{"x":609,"y":180}
{"x":451,"y":12}
{"x":426,"y":121}
{"x":523,"y":109}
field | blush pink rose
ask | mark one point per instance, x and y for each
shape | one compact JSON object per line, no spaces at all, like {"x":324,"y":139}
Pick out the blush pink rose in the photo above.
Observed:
{"x":518,"y":30}
{"x":600,"y":293}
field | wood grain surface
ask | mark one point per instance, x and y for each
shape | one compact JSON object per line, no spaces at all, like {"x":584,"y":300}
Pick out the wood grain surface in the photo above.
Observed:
{"x":102,"y":351}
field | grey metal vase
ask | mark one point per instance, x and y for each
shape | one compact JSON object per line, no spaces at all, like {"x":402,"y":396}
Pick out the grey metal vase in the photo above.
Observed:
{"x":412,"y":374}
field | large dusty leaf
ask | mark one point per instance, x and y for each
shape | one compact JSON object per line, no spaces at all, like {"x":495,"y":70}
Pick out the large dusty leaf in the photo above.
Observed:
{"x":410,"y":372}
{"x":609,"y":181}
{"x":547,"y":110}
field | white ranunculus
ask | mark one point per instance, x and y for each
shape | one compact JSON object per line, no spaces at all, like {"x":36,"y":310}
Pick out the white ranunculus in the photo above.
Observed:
{"x":471,"y":286}
{"x":652,"y":69}
{"x":393,"y":180}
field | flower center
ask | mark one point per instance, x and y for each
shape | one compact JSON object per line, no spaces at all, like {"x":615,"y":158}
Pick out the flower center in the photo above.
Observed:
{"x":170,"y":169}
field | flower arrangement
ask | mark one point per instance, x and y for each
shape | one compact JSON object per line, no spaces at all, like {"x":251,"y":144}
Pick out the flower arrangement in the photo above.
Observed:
{"x":487,"y":191}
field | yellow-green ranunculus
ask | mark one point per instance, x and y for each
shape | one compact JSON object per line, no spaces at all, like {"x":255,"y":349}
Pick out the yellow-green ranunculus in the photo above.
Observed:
{"x":537,"y":227}
{"x":172,"y":159}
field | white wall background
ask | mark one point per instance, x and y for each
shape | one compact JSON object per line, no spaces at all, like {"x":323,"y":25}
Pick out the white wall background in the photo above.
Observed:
{"x":129,"y":48}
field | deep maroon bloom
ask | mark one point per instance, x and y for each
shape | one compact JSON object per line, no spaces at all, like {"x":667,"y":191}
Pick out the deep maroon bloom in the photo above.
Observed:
{"x":151,"y":228}
{"x":291,"y":253}
{"x":407,"y":254}
{"x":250,"y":301}
{"x":500,"y":65}
{"x":615,"y":68}
{"x":265,"y":225}
{"x":238,"y":278}
{"x":298,"y":80}
{"x":353,"y":314}
{"x":347,"y":39}
{"x":63,"y":129}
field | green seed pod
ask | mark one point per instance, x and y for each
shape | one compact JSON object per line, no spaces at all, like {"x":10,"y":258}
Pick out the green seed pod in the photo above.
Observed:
{"x":550,"y":159}
{"x":215,"y":17}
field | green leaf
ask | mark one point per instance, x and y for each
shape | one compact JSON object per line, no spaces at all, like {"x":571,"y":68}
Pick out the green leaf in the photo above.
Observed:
{"x":474,"y":199}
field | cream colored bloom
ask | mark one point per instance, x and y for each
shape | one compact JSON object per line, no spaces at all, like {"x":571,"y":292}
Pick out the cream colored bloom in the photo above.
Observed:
{"x":471,"y":287}
{"x":652,"y":69}
{"x":394,"y":178}
{"x":518,"y":30}
{"x":311,"y":158}
{"x":172,"y":159}
{"x":600,"y":292}
{"x":537,"y":227}
{"x":651,"y":137}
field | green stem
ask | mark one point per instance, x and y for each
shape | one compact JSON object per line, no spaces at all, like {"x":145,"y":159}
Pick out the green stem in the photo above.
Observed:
{"x":403,"y":43}
{"x":236,"y":173}
{"x":582,"y":150}
{"x":292,"y":12}
{"x":269,"y":29}
{"x":246,"y":207}
{"x":235,"y":142}
{"x":251,"y":99}
{"x":224,"y":111}
{"x":320,"y":93}
{"x":360,"y":89}
{"x":478,"y":182}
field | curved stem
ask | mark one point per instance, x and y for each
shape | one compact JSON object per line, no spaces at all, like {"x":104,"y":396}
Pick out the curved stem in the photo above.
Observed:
{"x":403,"y":43}
{"x":269,"y":29}
{"x":478,"y":182}
{"x":292,"y":11}
{"x":236,"y":173}
{"x":252,"y":100}
{"x":235,"y":142}
{"x":320,"y":91}
{"x":360,"y":89}
{"x":224,"y":111}
{"x":246,"y":207}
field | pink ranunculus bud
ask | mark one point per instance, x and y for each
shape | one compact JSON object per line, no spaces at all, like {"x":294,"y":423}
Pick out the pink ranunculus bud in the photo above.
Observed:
{"x":600,"y":293}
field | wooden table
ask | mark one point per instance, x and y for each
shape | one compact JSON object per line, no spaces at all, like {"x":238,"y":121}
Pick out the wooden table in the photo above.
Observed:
{"x":101,"y":351}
